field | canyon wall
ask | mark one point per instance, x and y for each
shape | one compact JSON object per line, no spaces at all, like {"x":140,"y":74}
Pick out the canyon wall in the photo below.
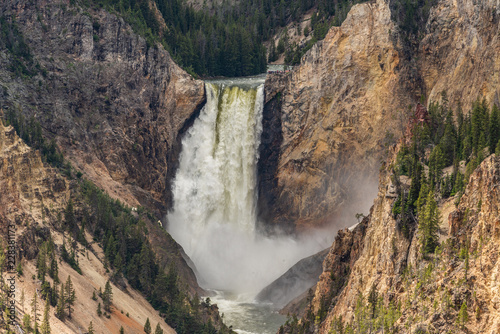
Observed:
{"x":428,"y":292}
{"x":459,"y":50}
{"x":115,"y":105}
{"x":326,"y":153}
{"x":31,"y":195}
{"x":338,"y":113}
{"x":331,"y":119}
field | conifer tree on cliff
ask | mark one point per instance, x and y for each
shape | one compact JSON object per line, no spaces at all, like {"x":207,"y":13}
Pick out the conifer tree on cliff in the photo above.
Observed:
{"x":70,"y":296}
{"x":158,"y":329}
{"x":429,"y":225}
{"x":61,"y":305}
{"x":45,"y":327}
{"x":147,"y":327}
{"x":494,"y":128}
{"x":107,"y":297}
{"x":91,"y":328}
{"x":34,"y":307}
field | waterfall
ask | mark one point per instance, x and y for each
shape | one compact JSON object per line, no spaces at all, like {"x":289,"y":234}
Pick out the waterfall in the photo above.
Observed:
{"x":214,"y":211}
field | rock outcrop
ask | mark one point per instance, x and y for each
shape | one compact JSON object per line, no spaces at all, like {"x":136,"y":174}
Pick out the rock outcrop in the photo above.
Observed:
{"x":337,"y":112}
{"x":429,"y":292}
{"x":115,"y":105}
{"x":31,"y":194}
{"x":298,"y":279}
{"x":381,"y":254}
{"x":26,"y":185}
{"x":332,"y":118}
{"x":459,"y":51}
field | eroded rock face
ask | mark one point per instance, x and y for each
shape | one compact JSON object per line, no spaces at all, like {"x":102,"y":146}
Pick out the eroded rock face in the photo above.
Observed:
{"x":343,"y":254}
{"x":33,"y":197}
{"x":380,"y":257}
{"x":337,"y":112}
{"x":459,"y":52}
{"x":297,"y":280}
{"x":381,"y":251}
{"x":27,"y":190}
{"x":349,"y":98}
{"x":115,"y":105}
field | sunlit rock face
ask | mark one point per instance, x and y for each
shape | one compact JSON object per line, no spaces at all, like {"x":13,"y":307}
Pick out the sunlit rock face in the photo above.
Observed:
{"x":459,"y":51}
{"x":338,"y":111}
{"x":380,"y":253}
{"x":330,"y":121}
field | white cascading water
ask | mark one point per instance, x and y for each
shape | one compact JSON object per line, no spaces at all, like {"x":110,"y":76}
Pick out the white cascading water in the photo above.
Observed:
{"x":214,"y":212}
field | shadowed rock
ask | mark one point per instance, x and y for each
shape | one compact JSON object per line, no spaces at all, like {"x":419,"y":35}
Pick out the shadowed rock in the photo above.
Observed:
{"x":298,"y":279}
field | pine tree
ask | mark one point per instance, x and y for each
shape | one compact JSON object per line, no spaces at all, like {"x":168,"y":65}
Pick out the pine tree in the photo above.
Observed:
{"x":27,"y":323}
{"x":61,"y":304}
{"x":91,"y":329}
{"x":437,"y":162}
{"x":6,"y":320}
{"x":158,"y":329}
{"x":122,"y":331}
{"x":69,"y":215}
{"x":99,"y":311}
{"x":494,"y":128}
{"x":69,"y":295}
{"x":19,"y":269}
{"x":54,"y":296}
{"x":466,"y":262}
{"x":110,"y":251}
{"x":107,"y":297}
{"x":118,"y":263}
{"x":54,"y":270}
{"x":22,"y":299}
{"x":463,"y":315}
{"x":45,"y":327}
{"x":41,"y":264}
{"x":429,"y":225}
{"x":46,"y":290}
{"x":422,"y":197}
{"x":147,"y":327}
{"x":34,"y":307}
{"x":372,"y":300}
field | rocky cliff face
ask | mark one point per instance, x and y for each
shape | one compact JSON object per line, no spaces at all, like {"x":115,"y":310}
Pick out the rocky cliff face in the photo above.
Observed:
{"x":458,"y":53}
{"x":25,"y":183}
{"x":428,"y":292}
{"x":381,"y":254}
{"x":349,"y":98}
{"x":32,"y":194}
{"x":115,"y":105}
{"x":295,"y":281}
{"x":337,"y":112}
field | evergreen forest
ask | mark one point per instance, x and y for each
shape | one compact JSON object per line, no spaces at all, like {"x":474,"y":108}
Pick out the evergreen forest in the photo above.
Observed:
{"x":227,"y":40}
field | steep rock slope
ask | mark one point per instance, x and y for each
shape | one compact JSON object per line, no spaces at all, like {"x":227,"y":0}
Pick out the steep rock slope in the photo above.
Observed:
{"x":295,"y":281}
{"x":32,"y":193}
{"x":426,"y":293}
{"x":115,"y":105}
{"x":330,"y":118}
{"x":382,"y":252}
{"x":336,"y":111}
{"x":459,"y":51}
